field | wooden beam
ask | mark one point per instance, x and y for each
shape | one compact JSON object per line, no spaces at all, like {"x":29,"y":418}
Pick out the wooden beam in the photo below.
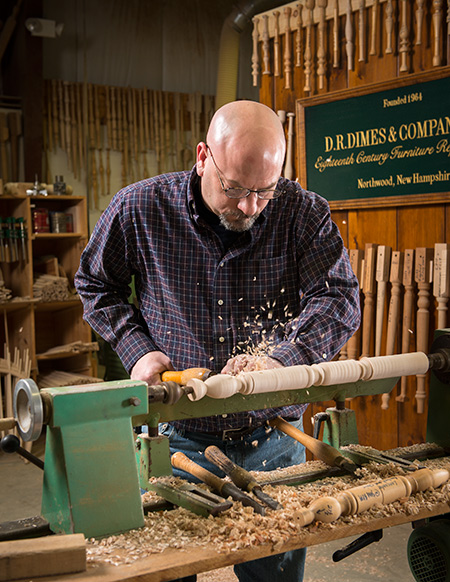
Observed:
{"x":46,"y":556}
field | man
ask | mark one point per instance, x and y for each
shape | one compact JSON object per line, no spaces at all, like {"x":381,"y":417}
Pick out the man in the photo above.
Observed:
{"x":235,"y":268}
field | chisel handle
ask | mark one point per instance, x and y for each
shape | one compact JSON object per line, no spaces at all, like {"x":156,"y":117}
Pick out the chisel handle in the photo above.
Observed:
{"x":180,"y":461}
{"x":183,"y":376}
{"x":321,"y":450}
{"x":240,"y":477}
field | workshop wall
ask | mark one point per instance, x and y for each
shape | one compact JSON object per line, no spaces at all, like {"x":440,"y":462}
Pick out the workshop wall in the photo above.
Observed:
{"x":309,"y":49}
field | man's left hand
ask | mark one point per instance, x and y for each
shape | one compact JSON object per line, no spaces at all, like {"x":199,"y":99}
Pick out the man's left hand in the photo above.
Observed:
{"x":249,"y":363}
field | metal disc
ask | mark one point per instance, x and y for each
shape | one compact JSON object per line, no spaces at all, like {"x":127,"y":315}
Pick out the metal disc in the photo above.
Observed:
{"x":28,"y":409}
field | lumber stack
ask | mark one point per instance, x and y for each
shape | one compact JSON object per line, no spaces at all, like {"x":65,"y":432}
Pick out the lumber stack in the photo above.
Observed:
{"x":51,"y":288}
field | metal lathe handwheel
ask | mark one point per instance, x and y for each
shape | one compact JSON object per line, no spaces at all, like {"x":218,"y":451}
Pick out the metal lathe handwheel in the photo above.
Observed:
{"x":28,"y":409}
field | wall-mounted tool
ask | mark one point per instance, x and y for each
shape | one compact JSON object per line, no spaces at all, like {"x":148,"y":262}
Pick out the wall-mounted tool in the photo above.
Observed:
{"x":240,"y":477}
{"x":224,"y":488}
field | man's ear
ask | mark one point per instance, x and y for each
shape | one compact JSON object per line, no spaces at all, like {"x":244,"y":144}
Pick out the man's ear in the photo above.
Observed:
{"x":202,"y":154}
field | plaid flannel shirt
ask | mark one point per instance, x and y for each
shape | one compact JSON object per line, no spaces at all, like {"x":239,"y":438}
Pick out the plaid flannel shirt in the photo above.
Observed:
{"x":286,"y":283}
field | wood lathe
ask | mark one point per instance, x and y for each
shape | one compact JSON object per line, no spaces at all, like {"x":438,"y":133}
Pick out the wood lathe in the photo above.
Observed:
{"x":95,"y":466}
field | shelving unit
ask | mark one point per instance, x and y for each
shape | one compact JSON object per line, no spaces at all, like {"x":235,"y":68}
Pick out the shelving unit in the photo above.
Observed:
{"x":38,"y":326}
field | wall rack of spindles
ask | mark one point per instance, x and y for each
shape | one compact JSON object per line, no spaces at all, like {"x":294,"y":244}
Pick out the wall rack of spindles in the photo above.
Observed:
{"x":89,"y":122}
{"x":318,"y":35}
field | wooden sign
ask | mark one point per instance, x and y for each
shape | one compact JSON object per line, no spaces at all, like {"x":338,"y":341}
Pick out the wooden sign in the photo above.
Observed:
{"x":386,"y":140}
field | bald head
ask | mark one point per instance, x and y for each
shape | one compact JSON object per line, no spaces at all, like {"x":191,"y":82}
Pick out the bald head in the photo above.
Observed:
{"x":247,"y":132}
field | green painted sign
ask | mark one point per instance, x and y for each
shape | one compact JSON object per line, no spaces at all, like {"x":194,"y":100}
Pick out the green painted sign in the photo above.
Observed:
{"x":385,"y":143}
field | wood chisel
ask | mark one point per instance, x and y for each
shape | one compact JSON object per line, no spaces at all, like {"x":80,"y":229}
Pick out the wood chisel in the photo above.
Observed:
{"x":321,"y":450}
{"x":224,"y":488}
{"x":192,"y":498}
{"x":240,"y":477}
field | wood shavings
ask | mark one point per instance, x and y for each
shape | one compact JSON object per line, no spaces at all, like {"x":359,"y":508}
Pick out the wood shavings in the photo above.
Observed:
{"x":239,"y":527}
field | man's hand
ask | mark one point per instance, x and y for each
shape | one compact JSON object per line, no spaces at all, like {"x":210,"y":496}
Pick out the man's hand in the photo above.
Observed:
{"x":248,"y":363}
{"x":149,"y":367}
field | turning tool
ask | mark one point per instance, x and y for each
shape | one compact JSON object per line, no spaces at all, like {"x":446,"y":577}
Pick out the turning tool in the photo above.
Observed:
{"x":372,"y":455}
{"x":224,"y":488}
{"x":192,"y":498}
{"x":183,"y":376}
{"x":240,"y":477}
{"x":321,"y":450}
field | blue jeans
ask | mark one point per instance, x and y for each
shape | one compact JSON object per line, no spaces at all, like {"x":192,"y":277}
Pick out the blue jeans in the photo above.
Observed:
{"x":275,"y":450}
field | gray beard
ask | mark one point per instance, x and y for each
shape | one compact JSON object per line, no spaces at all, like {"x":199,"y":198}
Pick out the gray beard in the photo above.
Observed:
{"x":237,"y":226}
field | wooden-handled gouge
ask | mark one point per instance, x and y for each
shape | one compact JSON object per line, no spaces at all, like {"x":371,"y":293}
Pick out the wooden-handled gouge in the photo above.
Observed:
{"x":224,"y":488}
{"x":183,"y":376}
{"x":240,"y":477}
{"x":321,"y":450}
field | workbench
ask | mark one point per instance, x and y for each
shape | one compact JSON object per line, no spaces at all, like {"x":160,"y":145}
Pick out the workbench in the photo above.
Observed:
{"x":174,"y":563}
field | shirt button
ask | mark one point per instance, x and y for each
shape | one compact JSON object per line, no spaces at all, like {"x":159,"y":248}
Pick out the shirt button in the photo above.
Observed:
{"x":221,"y":339}
{"x":221,"y":264}
{"x":220,"y":302}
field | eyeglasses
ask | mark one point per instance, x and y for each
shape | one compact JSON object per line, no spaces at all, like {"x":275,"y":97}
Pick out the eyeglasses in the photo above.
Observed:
{"x":263,"y":194}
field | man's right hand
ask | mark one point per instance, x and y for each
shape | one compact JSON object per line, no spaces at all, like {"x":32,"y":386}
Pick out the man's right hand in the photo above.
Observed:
{"x":149,"y":367}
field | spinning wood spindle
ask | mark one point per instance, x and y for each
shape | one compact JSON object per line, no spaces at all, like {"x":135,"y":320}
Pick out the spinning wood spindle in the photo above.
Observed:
{"x":304,"y":376}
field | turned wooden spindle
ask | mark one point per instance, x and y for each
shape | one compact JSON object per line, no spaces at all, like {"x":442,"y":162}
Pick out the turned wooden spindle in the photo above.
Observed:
{"x":359,"y":499}
{"x":362,"y":6}
{"x":287,"y":48}
{"x":304,"y":376}
{"x":437,"y":21}
{"x":125,"y":137}
{"x":419,"y":21}
{"x":309,"y":5}
{"x":408,"y":303}
{"x":441,"y":281}
{"x":368,"y":289}
{"x":373,"y":28}
{"x":62,"y":132}
{"x":76,"y":166}
{"x":321,"y":4}
{"x":381,"y":277}
{"x":289,"y":165}
{"x":423,"y":278}
{"x":349,"y":36}
{"x":335,"y":34}
{"x":389,"y":21}
{"x":298,"y":35}
{"x":81,"y":135}
{"x":255,"y":54}
{"x":108,"y":140}
{"x":404,"y":38}
{"x":67,"y":125}
{"x":276,"y":45}
{"x":55,"y":116}
{"x":49,"y":121}
{"x":113,"y":119}
{"x":356,"y":262}
{"x":395,"y":278}
{"x":265,"y":45}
